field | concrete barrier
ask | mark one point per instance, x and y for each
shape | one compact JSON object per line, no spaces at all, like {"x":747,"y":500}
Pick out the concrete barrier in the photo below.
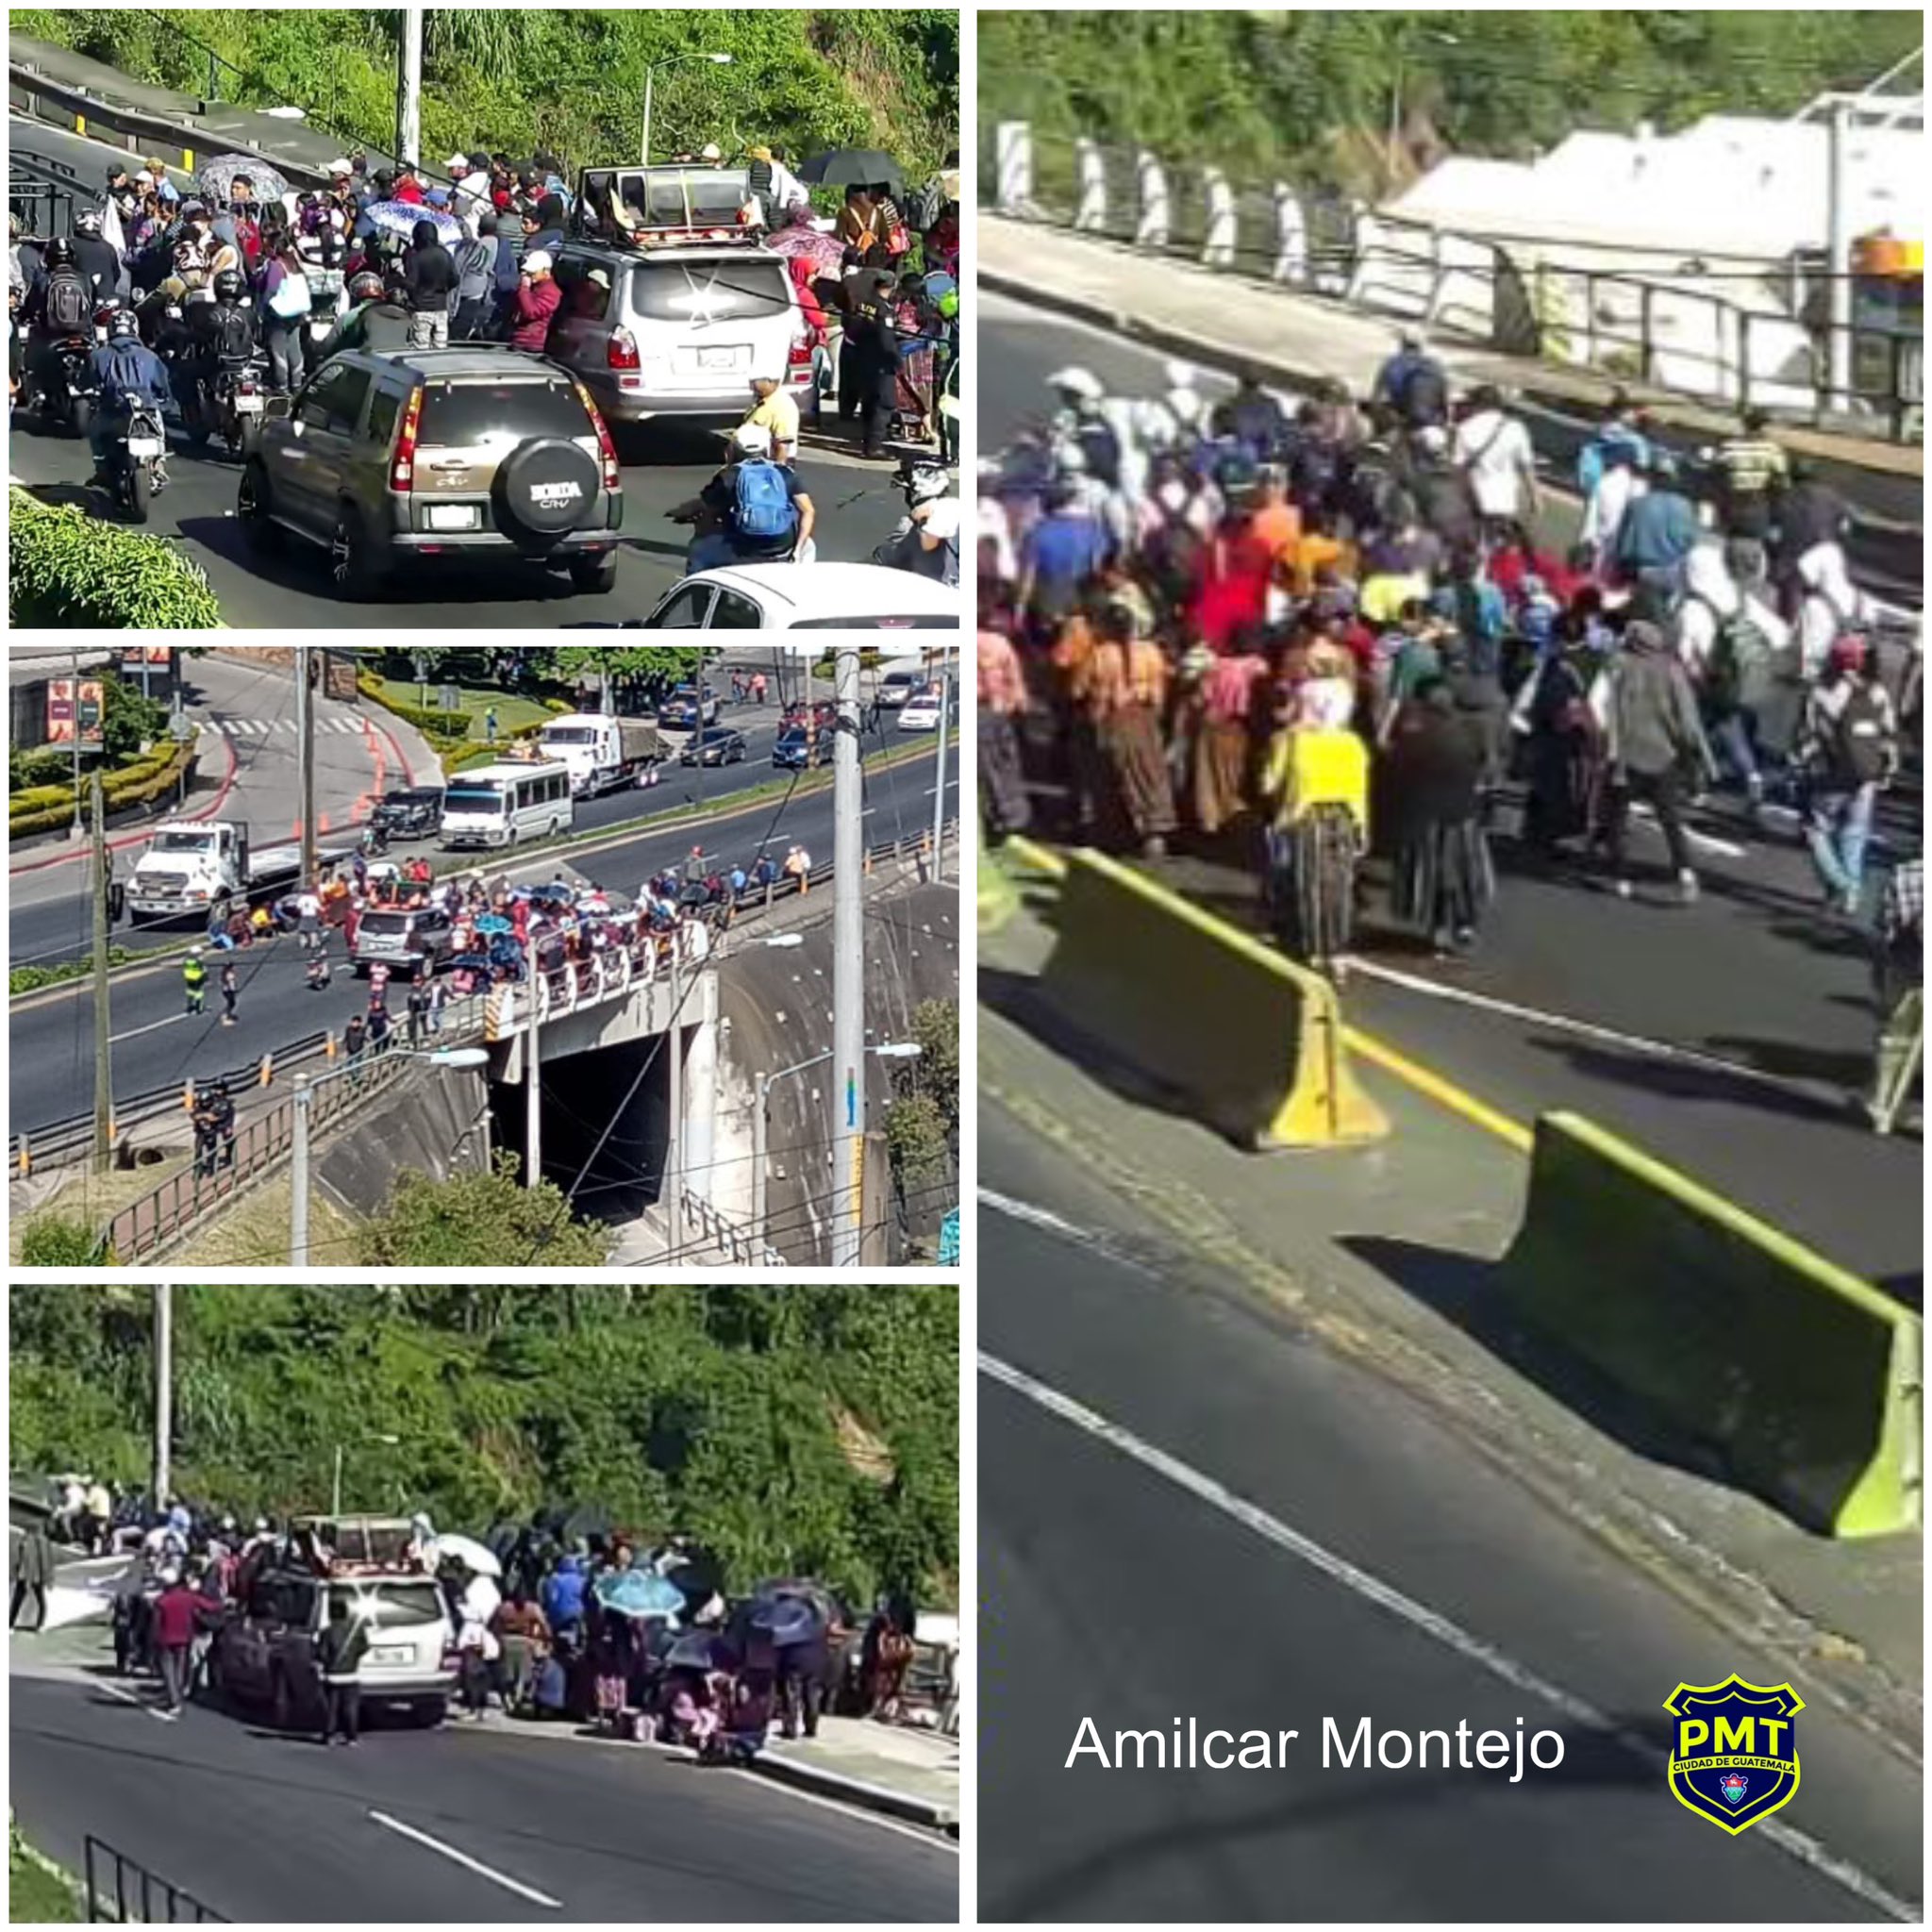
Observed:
{"x":1250,"y":1041}
{"x":1807,"y":1378}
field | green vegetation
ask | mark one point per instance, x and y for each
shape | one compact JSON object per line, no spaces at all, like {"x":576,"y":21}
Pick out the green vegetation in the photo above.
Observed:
{"x":1308,"y":95}
{"x":54,"y":1240}
{"x":71,"y":570}
{"x":480,"y":1220}
{"x":32,"y":978}
{"x":145,"y":777}
{"x":34,"y":1895}
{"x":923,"y":1122}
{"x":570,"y":81}
{"x":791,"y":1429}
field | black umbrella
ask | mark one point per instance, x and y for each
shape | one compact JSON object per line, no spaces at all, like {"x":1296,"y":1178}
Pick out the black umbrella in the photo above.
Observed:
{"x":847,"y":167}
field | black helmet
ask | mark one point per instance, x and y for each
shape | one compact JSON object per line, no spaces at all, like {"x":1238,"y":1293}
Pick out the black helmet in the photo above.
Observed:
{"x":227,"y":286}
{"x":87,"y":223}
{"x":60,"y":252}
{"x":122,"y":322}
{"x":366,"y":287}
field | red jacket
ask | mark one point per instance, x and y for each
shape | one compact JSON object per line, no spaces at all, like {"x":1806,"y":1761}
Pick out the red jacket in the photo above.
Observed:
{"x":176,"y":1613}
{"x":531,"y":313}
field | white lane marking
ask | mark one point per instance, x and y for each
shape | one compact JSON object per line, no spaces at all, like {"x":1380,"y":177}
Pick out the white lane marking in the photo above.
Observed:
{"x":1451,"y":1635}
{"x":1724,"y":847}
{"x":928,"y":1836}
{"x":135,"y":1032}
{"x":158,"y":1712}
{"x":1564,"y":1023}
{"x":450,"y":1852}
{"x":1033,"y":1217}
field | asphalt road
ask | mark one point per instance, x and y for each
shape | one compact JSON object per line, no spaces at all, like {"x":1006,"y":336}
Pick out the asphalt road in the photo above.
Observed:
{"x":1726,"y":1036}
{"x":663,"y":464}
{"x":156,"y":1046}
{"x":250,"y":715}
{"x":1317,"y":1547}
{"x":264,"y":1828}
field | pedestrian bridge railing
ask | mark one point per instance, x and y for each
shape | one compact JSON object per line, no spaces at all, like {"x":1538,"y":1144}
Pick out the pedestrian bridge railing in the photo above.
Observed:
{"x":716,"y":1230}
{"x":122,"y":1891}
{"x":607,"y":975}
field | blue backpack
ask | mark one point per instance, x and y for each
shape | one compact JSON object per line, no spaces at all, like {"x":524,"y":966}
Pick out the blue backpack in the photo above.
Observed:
{"x":762,"y":503}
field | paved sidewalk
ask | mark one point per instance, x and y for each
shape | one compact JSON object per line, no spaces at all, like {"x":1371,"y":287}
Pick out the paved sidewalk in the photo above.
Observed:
{"x":1382,"y":1254}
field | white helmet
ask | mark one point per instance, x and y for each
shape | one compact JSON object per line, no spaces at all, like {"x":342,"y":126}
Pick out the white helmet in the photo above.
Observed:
{"x":928,"y":482}
{"x":1076,"y":381}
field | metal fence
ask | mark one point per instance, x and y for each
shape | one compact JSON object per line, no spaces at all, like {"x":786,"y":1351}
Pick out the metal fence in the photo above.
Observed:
{"x":123,"y":1891}
{"x":1530,"y":297}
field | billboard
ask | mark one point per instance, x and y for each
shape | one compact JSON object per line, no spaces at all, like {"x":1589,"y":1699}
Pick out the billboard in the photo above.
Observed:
{"x":75,"y":708}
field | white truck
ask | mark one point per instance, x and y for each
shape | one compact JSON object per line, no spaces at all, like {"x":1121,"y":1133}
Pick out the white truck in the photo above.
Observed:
{"x":204,"y":869}
{"x":603,"y":753}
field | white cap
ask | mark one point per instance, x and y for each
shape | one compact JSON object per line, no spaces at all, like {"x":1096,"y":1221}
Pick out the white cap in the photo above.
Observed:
{"x":340,"y":166}
{"x":753,"y":439}
{"x":457,"y":164}
{"x":144,"y":175}
{"x":538,"y":257}
{"x":710,"y":152}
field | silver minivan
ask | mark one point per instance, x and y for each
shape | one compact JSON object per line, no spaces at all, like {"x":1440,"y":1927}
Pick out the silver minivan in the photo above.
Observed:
{"x":404,"y":937}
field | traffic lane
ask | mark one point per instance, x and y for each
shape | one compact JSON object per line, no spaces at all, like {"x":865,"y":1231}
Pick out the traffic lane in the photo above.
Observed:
{"x":231,"y":1811}
{"x":856,"y":505}
{"x":156,"y":1046}
{"x":50,"y":920}
{"x":1021,"y":348}
{"x":1112,"y":1593}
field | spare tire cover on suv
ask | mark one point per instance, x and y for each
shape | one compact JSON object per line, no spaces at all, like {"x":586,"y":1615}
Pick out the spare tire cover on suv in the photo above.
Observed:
{"x":545,"y":488}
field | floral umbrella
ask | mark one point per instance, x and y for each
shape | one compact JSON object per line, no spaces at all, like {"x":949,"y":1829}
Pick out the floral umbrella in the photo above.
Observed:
{"x":217,"y":178}
{"x":399,"y":218}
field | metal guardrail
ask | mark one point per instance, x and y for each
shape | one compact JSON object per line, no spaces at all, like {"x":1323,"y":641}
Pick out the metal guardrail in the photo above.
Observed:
{"x":123,"y":1891}
{"x":1699,"y":344}
{"x":740,"y":1245}
{"x":36,"y":182}
{"x":263,"y":1143}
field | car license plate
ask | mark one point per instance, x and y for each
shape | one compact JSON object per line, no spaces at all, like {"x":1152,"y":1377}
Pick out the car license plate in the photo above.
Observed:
{"x":723,"y":359}
{"x":143,"y":446}
{"x":248,"y":405}
{"x":392,"y":1654}
{"x":452,"y":516}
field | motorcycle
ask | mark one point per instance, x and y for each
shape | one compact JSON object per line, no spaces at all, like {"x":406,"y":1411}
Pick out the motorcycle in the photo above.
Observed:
{"x":75,"y":395}
{"x":137,"y":462}
{"x":238,"y":402}
{"x":703,"y":522}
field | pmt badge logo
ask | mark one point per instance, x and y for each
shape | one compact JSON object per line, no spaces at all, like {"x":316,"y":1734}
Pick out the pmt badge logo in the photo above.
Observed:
{"x":1734,"y":1750}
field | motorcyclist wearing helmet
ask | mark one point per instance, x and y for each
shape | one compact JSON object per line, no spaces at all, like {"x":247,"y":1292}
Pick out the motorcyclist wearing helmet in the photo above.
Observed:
{"x":59,"y":311}
{"x":223,"y":334}
{"x":376,"y":321}
{"x":757,"y":511}
{"x":127,"y":373}
{"x":97,"y":258}
{"x":927,"y":539}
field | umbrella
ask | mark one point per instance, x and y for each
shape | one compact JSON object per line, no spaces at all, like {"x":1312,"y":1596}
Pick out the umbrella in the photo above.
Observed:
{"x":467,"y":1551}
{"x":788,"y":1620}
{"x":698,"y":1649}
{"x":638,"y":1593}
{"x":823,"y":252}
{"x":399,"y":218}
{"x":476,"y":963}
{"x":217,"y":178}
{"x":846,"y":167}
{"x":492,"y":922}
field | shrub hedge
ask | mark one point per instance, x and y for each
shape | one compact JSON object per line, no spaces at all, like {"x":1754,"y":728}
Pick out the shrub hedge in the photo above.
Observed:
{"x":136,"y":782}
{"x":72,"y":572}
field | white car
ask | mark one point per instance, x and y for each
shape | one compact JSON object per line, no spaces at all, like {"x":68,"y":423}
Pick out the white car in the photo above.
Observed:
{"x":808,"y":596}
{"x":921,"y":712}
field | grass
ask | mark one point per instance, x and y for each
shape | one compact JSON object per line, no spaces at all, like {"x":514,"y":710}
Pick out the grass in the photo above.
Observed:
{"x":510,"y":711}
{"x":34,"y":1895}
{"x":255,"y":1232}
{"x":94,"y":1198}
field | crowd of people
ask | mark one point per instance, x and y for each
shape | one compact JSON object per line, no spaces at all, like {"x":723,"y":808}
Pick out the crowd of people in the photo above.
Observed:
{"x":556,"y":1619}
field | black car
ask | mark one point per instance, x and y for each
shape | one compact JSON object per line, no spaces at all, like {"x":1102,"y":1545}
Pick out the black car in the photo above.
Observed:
{"x":411,"y":814}
{"x":716,"y":746}
{"x":798,"y":750}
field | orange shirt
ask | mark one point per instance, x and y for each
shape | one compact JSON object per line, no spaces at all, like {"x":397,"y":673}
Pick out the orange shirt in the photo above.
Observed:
{"x":1279,"y":526}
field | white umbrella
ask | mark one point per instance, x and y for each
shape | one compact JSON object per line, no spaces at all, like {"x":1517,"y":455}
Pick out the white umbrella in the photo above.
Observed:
{"x":467,"y":1551}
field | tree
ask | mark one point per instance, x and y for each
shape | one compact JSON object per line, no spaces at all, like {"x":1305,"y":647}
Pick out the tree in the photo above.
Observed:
{"x":672,"y":662}
{"x":480,"y":1220}
{"x":923,"y":1122}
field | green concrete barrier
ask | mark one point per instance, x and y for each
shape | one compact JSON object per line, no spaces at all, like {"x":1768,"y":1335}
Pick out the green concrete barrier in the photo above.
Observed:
{"x":1249,"y":1040}
{"x":1807,"y":1378}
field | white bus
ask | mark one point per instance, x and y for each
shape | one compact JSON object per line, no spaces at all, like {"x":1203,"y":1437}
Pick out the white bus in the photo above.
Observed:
{"x":501,"y":805}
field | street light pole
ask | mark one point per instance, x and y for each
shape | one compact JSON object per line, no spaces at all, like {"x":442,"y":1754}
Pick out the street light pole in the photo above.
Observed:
{"x":104,"y":1075}
{"x":304,"y":730}
{"x":165,"y":1393}
{"x":939,"y":790}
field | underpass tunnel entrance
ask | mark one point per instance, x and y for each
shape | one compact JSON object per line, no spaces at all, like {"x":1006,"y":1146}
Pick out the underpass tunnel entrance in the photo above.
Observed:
{"x":582,"y":1095}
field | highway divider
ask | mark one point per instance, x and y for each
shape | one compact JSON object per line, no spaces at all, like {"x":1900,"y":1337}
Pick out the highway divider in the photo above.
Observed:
{"x":1808,"y":1379}
{"x":1250,"y":1041}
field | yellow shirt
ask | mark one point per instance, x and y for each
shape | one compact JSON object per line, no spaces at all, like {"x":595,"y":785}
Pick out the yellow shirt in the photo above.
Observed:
{"x":778,"y":413}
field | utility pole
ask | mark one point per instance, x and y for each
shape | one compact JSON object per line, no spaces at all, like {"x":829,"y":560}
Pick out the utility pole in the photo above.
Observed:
{"x":76,"y":831}
{"x":674,"y":1145}
{"x":410,"y":91}
{"x":533,"y":1080}
{"x":298,"y":1176}
{"x":939,"y":790}
{"x":1838,"y":348}
{"x":104,"y":1075}
{"x":848,"y":969}
{"x":305,"y":750}
{"x":165,"y":1393}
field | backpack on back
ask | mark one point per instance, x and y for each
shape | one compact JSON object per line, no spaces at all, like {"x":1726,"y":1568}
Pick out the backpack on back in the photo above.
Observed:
{"x":233,"y":333}
{"x":68,"y":311}
{"x":1743,"y":662}
{"x":1425,"y":396}
{"x":762,"y":504}
{"x":1855,"y":751}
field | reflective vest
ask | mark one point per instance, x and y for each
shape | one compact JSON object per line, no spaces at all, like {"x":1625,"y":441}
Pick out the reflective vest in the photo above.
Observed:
{"x":195,"y":974}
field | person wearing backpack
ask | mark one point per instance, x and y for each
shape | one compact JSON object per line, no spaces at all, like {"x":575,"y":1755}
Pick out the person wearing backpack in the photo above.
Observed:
{"x":286,"y":302}
{"x":1848,"y":750}
{"x":1830,"y":605}
{"x":1412,"y":383}
{"x":221,"y":334}
{"x":1732,"y":644}
{"x":1652,"y":738}
{"x":761,"y":510}
{"x":127,"y":373}
{"x":59,"y":309}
